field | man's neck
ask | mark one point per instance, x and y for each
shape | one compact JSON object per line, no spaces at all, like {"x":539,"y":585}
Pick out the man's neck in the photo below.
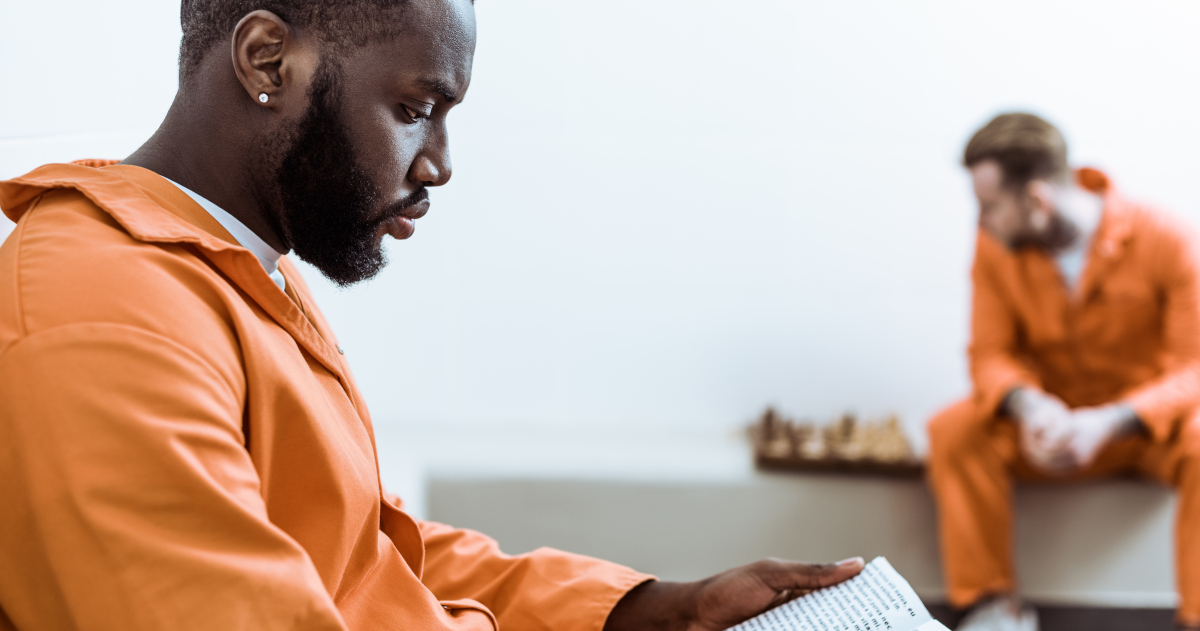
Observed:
{"x":1083,"y":208}
{"x":193,"y":148}
{"x":1075,"y":220}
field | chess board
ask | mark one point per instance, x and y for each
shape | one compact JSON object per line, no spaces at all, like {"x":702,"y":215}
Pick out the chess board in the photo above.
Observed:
{"x":847,"y":445}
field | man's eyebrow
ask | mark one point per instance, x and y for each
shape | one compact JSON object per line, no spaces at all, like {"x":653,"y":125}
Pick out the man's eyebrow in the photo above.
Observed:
{"x":439,"y":87}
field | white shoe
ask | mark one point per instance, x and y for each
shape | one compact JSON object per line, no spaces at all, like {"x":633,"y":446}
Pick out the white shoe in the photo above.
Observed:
{"x":1000,"y":614}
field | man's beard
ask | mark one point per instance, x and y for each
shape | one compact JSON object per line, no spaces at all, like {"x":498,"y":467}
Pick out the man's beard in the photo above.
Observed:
{"x":327,"y":202}
{"x":1058,"y":235}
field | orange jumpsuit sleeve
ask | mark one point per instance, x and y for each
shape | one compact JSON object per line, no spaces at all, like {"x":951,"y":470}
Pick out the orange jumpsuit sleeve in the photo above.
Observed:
{"x":544,"y":589}
{"x":995,"y":367}
{"x":1163,"y":402}
{"x":141,"y":509}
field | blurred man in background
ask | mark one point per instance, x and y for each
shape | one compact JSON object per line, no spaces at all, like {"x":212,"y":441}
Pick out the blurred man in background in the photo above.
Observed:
{"x":1084,"y":356}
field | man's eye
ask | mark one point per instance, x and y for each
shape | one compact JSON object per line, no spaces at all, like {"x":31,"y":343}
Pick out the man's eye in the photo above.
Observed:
{"x":411,"y":114}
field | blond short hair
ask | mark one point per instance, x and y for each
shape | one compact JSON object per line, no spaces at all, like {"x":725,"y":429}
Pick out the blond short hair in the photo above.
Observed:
{"x":1024,"y":145}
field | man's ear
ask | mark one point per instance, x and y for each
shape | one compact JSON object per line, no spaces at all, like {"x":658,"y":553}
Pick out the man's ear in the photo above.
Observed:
{"x":266,"y":58}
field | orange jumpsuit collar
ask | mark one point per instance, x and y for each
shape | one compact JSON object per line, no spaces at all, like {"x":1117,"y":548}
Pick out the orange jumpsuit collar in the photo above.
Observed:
{"x":125,"y":192}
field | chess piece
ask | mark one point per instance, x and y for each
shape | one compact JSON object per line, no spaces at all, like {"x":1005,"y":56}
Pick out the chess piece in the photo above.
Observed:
{"x":813,"y":445}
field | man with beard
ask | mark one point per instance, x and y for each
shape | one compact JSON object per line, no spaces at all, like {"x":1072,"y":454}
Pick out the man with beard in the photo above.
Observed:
{"x":183,"y":444}
{"x":1085,"y":361}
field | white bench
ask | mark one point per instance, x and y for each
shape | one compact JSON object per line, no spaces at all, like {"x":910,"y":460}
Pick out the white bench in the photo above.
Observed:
{"x":688,"y":508}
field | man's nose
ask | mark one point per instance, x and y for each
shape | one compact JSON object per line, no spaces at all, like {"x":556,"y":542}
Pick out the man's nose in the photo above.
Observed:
{"x":429,"y":172}
{"x":432,"y":165}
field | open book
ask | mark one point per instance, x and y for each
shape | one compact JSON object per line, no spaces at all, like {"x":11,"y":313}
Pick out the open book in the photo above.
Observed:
{"x":878,"y":598}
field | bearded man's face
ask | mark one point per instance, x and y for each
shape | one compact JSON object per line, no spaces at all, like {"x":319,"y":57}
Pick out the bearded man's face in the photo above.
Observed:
{"x":332,"y":213}
{"x":356,"y":165}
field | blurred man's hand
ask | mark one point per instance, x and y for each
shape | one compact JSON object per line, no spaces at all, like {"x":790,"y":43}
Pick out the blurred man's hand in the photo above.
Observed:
{"x":1093,"y":428}
{"x":1059,"y":440}
{"x":724,"y":600}
{"x":1046,"y":427}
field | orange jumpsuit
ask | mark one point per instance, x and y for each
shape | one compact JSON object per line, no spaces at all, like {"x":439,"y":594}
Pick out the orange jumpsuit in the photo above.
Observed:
{"x":182,"y":445}
{"x":1129,"y":332}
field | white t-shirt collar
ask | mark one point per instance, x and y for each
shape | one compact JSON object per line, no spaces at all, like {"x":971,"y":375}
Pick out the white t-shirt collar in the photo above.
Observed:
{"x":266,"y":255}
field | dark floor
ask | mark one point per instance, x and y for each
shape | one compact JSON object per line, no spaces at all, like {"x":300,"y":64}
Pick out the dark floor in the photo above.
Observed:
{"x":1084,"y":618}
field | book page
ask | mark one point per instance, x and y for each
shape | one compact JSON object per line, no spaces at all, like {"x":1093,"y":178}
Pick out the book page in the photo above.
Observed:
{"x":878,"y":598}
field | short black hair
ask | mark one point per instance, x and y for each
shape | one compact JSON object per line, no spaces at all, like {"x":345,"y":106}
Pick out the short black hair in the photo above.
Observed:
{"x":1026,"y":146}
{"x":353,"y":22}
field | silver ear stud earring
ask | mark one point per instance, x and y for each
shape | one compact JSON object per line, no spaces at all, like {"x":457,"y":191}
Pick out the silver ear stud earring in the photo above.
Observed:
{"x":262,"y":97}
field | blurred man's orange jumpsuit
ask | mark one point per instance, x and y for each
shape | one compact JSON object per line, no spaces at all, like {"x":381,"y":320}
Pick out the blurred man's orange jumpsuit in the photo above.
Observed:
{"x":1129,"y":332}
{"x":182,"y":445}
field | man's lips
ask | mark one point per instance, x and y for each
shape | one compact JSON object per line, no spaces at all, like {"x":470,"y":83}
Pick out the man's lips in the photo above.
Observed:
{"x":416,"y":211}
{"x":402,"y":224}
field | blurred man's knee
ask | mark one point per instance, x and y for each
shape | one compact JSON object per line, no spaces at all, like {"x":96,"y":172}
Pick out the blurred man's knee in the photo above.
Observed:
{"x":954,"y":430}
{"x":1189,"y":436}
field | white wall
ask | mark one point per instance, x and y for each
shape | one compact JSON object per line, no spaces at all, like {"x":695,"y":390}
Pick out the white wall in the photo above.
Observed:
{"x":667,"y":214}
